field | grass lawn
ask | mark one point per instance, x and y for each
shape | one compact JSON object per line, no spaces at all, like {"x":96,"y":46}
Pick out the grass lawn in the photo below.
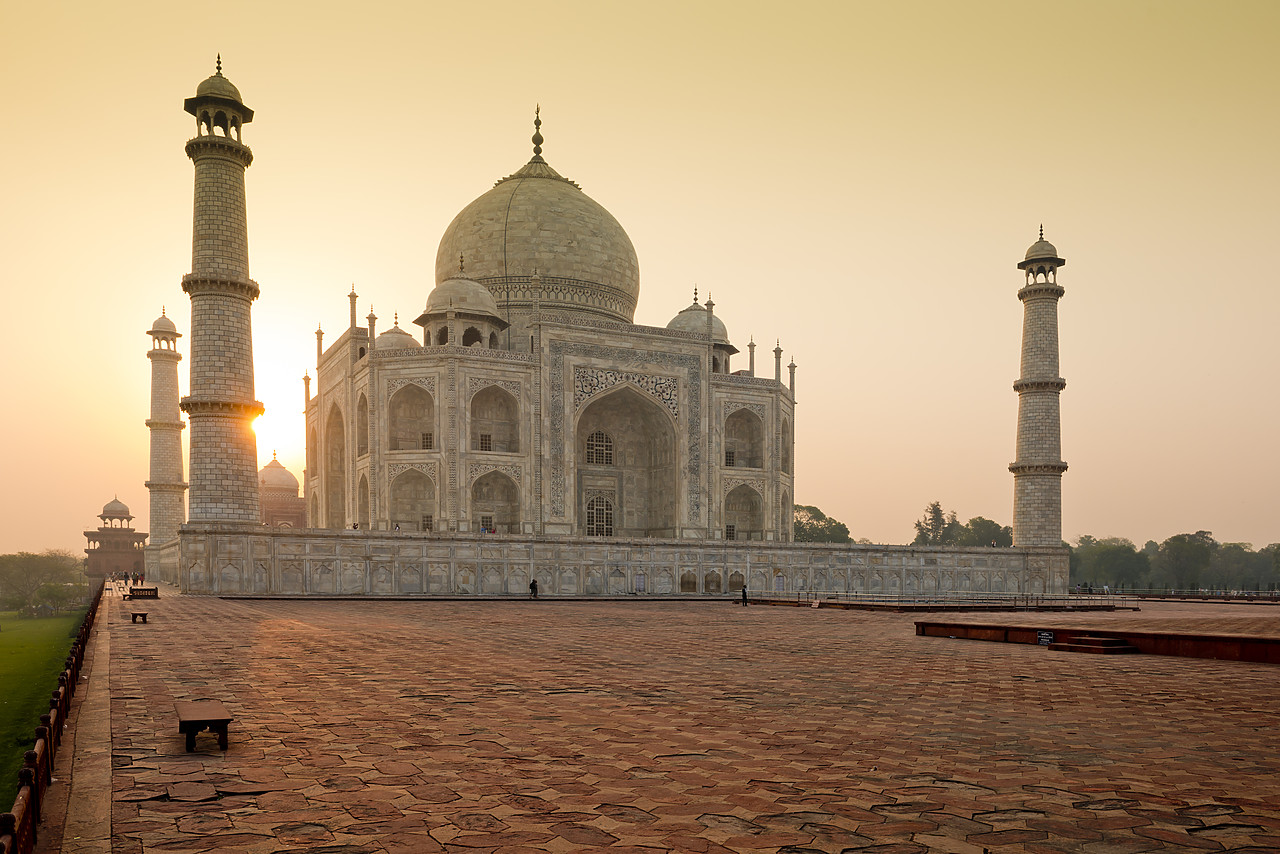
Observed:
{"x":32,"y":651}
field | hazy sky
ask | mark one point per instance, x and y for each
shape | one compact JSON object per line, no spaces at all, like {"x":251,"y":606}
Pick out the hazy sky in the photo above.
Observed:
{"x":855,"y":179}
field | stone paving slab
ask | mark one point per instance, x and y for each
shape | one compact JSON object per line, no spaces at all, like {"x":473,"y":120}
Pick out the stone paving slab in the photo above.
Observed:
{"x":647,"y":727}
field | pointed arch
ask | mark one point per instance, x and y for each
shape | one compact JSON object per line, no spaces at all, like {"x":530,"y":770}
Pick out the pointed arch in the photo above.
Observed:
{"x":413,"y":502}
{"x":335,"y":470}
{"x":744,"y":440}
{"x":495,"y":421}
{"x":362,"y":426}
{"x":625,"y":450}
{"x":362,"y":503}
{"x":411,"y":419}
{"x":495,"y":503}
{"x":743,"y":514}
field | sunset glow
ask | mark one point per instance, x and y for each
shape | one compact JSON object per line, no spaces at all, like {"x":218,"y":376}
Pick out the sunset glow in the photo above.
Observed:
{"x":854,"y":180}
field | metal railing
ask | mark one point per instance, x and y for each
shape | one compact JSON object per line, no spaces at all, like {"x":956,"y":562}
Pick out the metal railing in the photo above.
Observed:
{"x":970,"y":600}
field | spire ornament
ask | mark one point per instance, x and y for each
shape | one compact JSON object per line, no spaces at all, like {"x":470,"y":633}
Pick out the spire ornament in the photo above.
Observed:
{"x":219,"y":65}
{"x":1042,"y":231}
{"x":537,"y":132}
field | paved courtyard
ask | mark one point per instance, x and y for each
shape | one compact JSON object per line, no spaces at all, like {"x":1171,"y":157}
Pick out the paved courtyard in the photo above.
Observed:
{"x":672,"y":726}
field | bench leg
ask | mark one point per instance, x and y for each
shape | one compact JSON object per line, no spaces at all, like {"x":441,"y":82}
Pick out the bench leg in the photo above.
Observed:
{"x":144,"y":618}
{"x":191,"y":741}
{"x":222,"y":737}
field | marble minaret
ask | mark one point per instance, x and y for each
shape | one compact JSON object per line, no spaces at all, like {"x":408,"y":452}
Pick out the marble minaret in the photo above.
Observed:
{"x":1037,"y":471}
{"x":166,"y":486}
{"x":220,"y":405}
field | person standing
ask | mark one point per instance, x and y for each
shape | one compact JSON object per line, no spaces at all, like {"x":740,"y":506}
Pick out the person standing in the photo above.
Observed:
{"x":533,"y":589}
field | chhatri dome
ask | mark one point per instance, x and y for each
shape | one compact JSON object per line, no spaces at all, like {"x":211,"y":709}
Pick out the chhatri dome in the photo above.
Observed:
{"x":275,"y":476}
{"x":462,"y":294}
{"x":536,"y":221}
{"x":694,"y":319}
{"x":396,"y":338}
{"x":218,"y":86}
{"x":115,"y":509}
{"x":1042,"y":250}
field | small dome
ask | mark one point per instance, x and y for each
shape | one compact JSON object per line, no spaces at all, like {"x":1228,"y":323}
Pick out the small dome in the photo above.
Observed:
{"x":396,"y":338}
{"x":463,"y":295}
{"x":694,"y":319}
{"x":275,"y":476}
{"x":163,"y":326}
{"x":218,"y":86}
{"x":116,"y":509}
{"x":1041,"y":249}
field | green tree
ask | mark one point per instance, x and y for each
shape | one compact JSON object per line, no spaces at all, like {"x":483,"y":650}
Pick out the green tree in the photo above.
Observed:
{"x":1183,"y":561}
{"x":1111,"y":561}
{"x":814,"y":526}
{"x":937,"y":527}
{"x":980,"y":531}
{"x":22,"y":575}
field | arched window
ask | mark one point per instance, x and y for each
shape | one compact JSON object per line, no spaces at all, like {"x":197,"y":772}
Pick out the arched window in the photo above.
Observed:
{"x":495,"y":421}
{"x":472,"y":336}
{"x":599,"y":517}
{"x":600,"y":449}
{"x":362,"y":426}
{"x":493,"y":341}
{"x":442,"y":337}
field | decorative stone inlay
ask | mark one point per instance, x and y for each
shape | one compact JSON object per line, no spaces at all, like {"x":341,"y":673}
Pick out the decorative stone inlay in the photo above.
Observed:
{"x":588,"y":382}
{"x":691,"y":365}
{"x":475,"y":471}
{"x":729,"y":484}
{"x":428,"y":383}
{"x":732,"y":406}
{"x":589,"y":495}
{"x":734,"y":379}
{"x":396,"y":469}
{"x":475,"y":384}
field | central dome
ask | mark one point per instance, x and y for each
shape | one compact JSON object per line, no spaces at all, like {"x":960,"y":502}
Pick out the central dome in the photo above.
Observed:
{"x":537,"y":221}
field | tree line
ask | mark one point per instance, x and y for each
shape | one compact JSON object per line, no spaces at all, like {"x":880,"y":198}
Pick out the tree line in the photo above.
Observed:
{"x":52,"y":580}
{"x":1182,"y":562}
{"x":937,"y":527}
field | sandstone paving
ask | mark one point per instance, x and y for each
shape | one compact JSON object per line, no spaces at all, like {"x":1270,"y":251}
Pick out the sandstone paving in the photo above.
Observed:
{"x":677,"y":726}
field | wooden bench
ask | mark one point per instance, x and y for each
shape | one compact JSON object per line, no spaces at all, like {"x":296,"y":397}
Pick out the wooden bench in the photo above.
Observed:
{"x":136,"y":614}
{"x":199,"y":715}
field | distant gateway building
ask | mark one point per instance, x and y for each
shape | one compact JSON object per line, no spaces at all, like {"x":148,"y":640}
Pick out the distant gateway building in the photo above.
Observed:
{"x":528,"y":429}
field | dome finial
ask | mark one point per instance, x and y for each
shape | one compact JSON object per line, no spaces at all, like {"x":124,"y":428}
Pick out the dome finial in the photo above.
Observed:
{"x":219,"y":65}
{"x":1042,"y":231}
{"x":462,"y":265}
{"x":397,"y":320}
{"x":162,"y":314}
{"x":273,"y":456}
{"x":537,"y":130}
{"x":695,"y":294}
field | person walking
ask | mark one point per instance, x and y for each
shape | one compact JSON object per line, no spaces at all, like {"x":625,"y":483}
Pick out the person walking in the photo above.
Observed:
{"x":533,"y":589}
{"x":744,"y":595}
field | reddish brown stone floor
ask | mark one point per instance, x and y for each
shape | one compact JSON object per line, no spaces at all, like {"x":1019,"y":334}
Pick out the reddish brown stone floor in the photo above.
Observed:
{"x":707,"y":727}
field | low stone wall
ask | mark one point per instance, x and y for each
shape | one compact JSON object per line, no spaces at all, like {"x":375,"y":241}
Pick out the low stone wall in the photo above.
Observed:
{"x":250,"y":559}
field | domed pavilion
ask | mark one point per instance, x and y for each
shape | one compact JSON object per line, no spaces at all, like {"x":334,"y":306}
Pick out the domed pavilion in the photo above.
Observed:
{"x":531,"y":404}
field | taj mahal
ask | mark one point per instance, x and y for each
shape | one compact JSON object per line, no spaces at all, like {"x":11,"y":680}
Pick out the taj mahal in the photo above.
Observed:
{"x":522,"y":427}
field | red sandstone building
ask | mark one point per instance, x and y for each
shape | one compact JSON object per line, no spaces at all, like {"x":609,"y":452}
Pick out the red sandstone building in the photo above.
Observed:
{"x":278,"y":497}
{"x":116,"y":546}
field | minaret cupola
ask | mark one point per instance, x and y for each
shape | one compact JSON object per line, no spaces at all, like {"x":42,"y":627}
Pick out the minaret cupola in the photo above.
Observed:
{"x":218,"y":108}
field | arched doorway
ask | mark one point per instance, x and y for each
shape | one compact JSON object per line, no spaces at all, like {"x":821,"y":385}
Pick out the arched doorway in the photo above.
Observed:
{"x":625,"y":453}
{"x":744,"y":440}
{"x":335,"y":471}
{"x":362,"y":503}
{"x":413,"y":502}
{"x":411,"y":420}
{"x":362,"y":426}
{"x":495,"y":421}
{"x":495,"y":504}
{"x":743,"y":514}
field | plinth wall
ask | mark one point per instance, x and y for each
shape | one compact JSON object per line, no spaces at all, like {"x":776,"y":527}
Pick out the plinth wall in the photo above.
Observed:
{"x":218,"y":558}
